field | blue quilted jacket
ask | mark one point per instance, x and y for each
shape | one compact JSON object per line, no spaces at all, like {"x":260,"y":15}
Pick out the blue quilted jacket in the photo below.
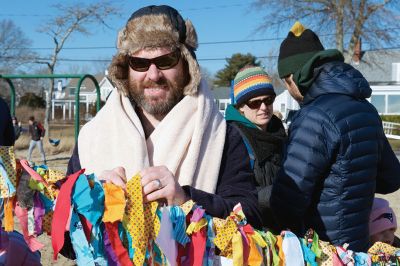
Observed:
{"x":337,"y":158}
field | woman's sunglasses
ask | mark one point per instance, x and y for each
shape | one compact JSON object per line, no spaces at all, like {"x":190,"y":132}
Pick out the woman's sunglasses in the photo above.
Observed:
{"x":255,"y":104}
{"x":163,"y":62}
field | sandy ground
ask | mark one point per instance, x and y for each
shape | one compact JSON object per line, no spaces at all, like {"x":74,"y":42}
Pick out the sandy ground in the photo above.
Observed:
{"x":60,"y":162}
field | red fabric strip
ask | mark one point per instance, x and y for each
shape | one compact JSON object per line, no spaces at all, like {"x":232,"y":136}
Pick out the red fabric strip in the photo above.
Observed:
{"x":61,"y":213}
{"x":87,"y":226}
{"x":198,"y":247}
{"x":116,"y":244}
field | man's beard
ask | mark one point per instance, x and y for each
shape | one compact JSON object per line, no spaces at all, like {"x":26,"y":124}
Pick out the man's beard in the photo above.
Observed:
{"x":155,"y":105}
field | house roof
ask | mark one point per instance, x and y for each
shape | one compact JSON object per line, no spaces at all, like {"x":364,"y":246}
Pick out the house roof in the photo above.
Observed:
{"x":376,"y":66}
{"x":221,"y":93}
{"x":87,"y":84}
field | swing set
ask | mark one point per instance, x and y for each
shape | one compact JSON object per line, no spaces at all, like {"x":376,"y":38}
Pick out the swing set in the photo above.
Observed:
{"x":81,"y":77}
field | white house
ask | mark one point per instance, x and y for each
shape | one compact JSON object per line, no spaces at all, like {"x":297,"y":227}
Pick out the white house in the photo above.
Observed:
{"x":64,"y":96}
{"x":284,"y":102}
{"x":382,"y":70}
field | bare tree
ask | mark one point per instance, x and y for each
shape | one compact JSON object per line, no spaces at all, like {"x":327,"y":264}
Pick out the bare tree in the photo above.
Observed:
{"x":74,"y":18}
{"x":376,"y":21}
{"x":101,"y":65}
{"x":14,"y":50}
{"x":14,"y":46}
{"x":207,"y":76}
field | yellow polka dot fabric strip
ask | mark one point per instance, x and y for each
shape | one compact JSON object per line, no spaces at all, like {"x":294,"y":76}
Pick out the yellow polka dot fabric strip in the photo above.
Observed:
{"x":187,"y":206}
{"x":380,"y":247}
{"x":8,"y":158}
{"x":140,"y":219}
{"x":224,"y":235}
{"x":53,"y":176}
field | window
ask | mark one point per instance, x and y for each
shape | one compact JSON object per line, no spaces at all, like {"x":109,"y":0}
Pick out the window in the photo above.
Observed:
{"x":379,"y":102}
{"x":394,"y":104}
{"x":283,"y":107}
{"x":222,"y":106}
{"x":72,"y":91}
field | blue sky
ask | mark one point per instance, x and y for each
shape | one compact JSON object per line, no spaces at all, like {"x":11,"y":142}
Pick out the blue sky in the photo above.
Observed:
{"x":215,"y":21}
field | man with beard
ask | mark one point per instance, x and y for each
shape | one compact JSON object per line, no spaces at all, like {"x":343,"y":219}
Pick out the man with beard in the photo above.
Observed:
{"x":162,"y":123}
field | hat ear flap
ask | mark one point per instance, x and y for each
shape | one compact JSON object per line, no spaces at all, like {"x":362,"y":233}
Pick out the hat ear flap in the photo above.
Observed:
{"x":194,"y":71}
{"x":121,"y":39}
{"x":191,"y":35}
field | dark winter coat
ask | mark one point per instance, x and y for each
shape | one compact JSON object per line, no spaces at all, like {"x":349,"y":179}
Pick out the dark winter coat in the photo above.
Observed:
{"x":6,"y":127}
{"x":36,"y":131}
{"x":337,"y":158}
{"x":267,"y":149}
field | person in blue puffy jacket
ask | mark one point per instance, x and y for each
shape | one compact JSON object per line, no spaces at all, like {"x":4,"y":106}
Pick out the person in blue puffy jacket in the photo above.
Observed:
{"x":337,"y":156}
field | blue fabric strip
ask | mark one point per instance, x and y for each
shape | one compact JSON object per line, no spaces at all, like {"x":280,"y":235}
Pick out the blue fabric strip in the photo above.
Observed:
{"x":308,"y":254}
{"x":1,"y":210}
{"x":89,"y":202}
{"x":210,"y":246}
{"x":83,"y":252}
{"x":127,"y":240}
{"x":48,"y":204}
{"x":178,"y":219}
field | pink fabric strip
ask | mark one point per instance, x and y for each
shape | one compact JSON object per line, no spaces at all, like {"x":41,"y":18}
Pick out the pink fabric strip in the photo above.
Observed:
{"x":31,"y":241}
{"x":32,"y":172}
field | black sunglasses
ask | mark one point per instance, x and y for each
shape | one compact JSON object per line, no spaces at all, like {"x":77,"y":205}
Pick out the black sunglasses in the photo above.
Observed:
{"x":163,"y":62}
{"x":255,"y":104}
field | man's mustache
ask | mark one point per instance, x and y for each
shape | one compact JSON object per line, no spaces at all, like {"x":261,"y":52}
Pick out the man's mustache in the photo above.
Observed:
{"x":160,"y":82}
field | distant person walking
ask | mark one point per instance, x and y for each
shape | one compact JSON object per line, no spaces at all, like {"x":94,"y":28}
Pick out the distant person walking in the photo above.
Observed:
{"x":37,"y":132}
{"x":6,"y":130}
{"x":17,"y":127}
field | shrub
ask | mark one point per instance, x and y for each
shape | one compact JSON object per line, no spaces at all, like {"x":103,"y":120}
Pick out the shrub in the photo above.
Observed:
{"x":32,"y":100}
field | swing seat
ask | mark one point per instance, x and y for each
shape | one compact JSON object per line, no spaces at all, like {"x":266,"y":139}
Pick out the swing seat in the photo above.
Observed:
{"x":54,"y":142}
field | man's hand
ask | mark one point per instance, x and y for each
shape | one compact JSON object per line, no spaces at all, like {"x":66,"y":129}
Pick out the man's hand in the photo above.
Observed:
{"x":159,"y":183}
{"x":116,"y":176}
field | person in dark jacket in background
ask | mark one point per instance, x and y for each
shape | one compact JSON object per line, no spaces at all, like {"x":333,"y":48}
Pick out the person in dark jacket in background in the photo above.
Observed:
{"x":6,"y":128}
{"x":37,"y":134}
{"x":337,"y":154}
{"x":17,"y":127}
{"x":263,"y":133}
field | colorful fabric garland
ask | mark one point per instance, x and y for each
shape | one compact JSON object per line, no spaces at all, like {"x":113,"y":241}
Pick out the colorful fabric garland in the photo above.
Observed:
{"x":110,"y":226}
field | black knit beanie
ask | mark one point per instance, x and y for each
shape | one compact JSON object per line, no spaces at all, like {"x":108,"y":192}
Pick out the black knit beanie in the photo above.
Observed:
{"x":298,"y":47}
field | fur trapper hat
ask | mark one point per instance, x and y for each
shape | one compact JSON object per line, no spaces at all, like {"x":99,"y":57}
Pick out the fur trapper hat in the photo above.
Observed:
{"x":154,"y":27}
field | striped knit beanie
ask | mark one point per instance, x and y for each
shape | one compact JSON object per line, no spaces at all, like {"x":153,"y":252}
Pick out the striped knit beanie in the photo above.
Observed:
{"x":298,"y":47}
{"x":250,"y":82}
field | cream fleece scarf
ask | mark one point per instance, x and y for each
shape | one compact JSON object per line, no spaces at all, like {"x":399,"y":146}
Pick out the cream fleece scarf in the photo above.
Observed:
{"x":189,"y":141}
